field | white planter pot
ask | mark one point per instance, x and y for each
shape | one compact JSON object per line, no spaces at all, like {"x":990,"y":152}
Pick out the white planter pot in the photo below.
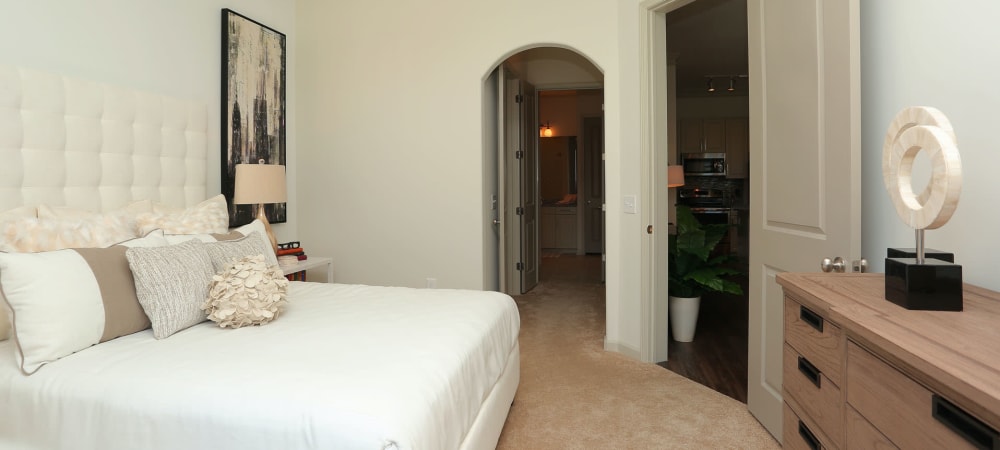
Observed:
{"x":683,"y":317}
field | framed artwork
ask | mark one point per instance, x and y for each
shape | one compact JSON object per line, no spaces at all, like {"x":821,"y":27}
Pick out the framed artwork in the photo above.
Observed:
{"x":253,"y":106}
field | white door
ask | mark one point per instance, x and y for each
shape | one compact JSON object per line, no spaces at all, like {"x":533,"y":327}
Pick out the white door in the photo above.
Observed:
{"x":518,"y":171}
{"x":530,"y":257}
{"x":593,"y":184}
{"x":805,"y":164}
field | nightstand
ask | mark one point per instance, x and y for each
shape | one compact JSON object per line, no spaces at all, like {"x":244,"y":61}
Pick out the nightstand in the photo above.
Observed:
{"x":311,"y":263}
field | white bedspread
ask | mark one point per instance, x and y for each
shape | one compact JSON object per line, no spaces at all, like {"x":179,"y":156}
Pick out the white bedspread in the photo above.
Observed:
{"x":344,"y":367}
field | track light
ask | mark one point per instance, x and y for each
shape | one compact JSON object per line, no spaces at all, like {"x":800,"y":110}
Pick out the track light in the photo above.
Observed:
{"x":732,"y":84}
{"x":710,"y":87}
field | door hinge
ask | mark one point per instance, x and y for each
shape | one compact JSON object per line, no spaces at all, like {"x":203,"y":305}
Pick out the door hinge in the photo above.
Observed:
{"x":519,"y":210}
{"x":519,"y":154}
{"x":518,"y":98}
{"x":520,"y":266}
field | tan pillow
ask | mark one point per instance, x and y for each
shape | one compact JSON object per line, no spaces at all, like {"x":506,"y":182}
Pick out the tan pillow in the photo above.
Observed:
{"x":209,"y":216}
{"x":246,"y":292}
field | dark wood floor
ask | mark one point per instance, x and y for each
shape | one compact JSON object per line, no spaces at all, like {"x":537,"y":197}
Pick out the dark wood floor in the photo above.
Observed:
{"x":717,"y":357}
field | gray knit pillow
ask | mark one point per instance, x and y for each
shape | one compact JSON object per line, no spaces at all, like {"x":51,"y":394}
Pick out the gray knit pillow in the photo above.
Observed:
{"x":225,"y":252}
{"x":171,"y":284}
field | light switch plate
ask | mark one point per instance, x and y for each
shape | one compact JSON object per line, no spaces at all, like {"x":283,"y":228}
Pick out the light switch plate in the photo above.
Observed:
{"x":629,"y":204}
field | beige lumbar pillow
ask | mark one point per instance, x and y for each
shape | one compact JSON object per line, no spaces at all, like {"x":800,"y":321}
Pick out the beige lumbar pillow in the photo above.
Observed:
{"x":246,"y":292}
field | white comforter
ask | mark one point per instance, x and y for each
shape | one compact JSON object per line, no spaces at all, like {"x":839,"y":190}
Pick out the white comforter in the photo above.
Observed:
{"x":344,"y":367}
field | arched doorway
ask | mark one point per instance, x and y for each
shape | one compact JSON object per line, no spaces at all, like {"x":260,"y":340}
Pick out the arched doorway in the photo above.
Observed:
{"x":527,"y":92}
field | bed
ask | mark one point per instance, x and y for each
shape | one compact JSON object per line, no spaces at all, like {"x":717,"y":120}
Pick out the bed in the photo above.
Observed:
{"x":343,"y":366}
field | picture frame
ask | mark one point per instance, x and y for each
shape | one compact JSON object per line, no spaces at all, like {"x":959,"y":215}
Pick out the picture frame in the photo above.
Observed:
{"x":253,"y":106}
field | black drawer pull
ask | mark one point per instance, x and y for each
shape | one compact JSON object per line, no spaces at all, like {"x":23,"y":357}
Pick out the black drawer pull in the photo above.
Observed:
{"x":808,"y":436}
{"x":814,"y":320}
{"x":971,"y":429}
{"x":809,"y":370}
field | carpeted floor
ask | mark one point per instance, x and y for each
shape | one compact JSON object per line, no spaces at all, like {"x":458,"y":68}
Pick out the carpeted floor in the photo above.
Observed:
{"x":573,"y":394}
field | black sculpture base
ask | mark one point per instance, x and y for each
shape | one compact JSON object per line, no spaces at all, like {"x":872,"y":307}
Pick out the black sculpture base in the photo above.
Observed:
{"x":935,"y":285}
{"x":912,"y":253}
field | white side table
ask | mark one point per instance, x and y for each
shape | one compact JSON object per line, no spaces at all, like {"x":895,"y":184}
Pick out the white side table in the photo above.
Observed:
{"x":312,"y":262}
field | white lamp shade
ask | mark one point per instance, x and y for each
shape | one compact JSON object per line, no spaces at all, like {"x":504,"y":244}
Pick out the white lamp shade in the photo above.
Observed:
{"x":259,"y":183}
{"x":675,"y":176}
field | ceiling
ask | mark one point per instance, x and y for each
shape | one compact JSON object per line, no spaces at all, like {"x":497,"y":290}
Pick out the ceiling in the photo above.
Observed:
{"x":708,"y":37}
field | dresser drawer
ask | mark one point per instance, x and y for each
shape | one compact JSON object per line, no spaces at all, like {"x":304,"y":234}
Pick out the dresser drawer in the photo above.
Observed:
{"x":896,"y":405}
{"x":815,"y":338}
{"x":814,"y":393}
{"x":861,"y":434}
{"x":801,"y":433}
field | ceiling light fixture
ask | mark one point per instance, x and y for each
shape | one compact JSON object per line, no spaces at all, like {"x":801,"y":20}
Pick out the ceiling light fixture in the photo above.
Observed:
{"x":732,"y":84}
{"x":710,"y":87}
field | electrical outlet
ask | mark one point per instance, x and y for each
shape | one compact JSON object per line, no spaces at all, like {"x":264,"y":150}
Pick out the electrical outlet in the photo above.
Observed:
{"x":629,"y":205}
{"x":432,"y":283}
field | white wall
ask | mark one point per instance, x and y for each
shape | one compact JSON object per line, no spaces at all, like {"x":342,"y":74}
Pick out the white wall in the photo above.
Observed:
{"x":170,"y":47}
{"x":945,"y":55}
{"x":392,"y":140}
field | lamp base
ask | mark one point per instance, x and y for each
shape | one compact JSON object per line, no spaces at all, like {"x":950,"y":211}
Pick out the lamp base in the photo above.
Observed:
{"x":262,"y":216}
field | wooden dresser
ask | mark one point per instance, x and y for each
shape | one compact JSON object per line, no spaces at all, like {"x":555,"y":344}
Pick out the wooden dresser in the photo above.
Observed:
{"x":861,"y":372}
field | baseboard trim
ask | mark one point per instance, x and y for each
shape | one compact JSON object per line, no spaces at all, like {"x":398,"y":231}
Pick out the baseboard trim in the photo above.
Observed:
{"x":623,"y":349}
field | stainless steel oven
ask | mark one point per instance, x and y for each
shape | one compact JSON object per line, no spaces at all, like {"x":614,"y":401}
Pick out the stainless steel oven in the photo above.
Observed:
{"x":704,"y":164}
{"x":707,"y":205}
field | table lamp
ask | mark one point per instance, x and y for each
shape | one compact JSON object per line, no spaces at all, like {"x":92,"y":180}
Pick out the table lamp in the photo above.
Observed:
{"x":675,"y":176}
{"x":257,"y":184}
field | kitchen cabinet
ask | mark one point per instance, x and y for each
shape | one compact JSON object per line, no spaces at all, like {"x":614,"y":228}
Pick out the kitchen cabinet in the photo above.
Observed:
{"x":729,"y":136}
{"x":862,"y":372}
{"x":559,"y":230}
{"x":702,"y":135}
{"x":737,"y":148}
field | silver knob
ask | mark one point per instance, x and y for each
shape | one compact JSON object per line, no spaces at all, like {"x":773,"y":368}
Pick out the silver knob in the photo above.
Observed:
{"x":836,"y":265}
{"x":496,"y":221}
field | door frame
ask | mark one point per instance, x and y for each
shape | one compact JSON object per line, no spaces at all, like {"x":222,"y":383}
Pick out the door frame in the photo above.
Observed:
{"x":653,"y":140}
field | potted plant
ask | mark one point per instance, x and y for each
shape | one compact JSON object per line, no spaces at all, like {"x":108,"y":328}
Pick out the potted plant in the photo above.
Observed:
{"x":693,"y":271}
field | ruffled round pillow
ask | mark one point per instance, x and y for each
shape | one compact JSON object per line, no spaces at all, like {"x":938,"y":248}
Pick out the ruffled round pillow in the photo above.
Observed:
{"x":246,"y":292}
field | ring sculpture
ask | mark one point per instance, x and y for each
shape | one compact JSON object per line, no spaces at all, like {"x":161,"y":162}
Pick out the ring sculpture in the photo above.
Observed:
{"x":916,"y":129}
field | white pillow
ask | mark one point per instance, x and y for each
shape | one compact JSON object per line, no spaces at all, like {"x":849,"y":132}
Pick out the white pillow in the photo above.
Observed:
{"x":209,"y":216}
{"x":67,"y":300}
{"x":171,"y":284}
{"x":16,"y":213}
{"x":41,"y":235}
{"x":246,"y":292}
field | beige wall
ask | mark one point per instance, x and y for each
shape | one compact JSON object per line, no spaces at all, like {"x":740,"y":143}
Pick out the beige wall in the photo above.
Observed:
{"x":391,"y":127}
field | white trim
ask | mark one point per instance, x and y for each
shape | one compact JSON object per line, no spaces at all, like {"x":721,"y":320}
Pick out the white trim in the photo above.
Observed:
{"x":621,"y":348}
{"x":652,"y":117}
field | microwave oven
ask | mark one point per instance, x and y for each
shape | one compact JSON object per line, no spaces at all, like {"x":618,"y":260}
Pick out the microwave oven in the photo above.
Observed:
{"x":704,"y":164}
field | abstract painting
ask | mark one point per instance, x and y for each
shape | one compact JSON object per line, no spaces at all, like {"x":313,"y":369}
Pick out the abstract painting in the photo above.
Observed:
{"x":253,"y":106}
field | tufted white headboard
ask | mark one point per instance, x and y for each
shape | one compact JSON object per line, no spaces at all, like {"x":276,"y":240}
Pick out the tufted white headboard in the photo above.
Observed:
{"x":69,"y":142}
